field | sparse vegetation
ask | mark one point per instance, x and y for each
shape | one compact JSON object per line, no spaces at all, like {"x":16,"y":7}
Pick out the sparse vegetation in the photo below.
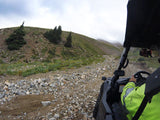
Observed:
{"x":1,"y":61}
{"x":52,"y":52}
{"x":39,"y":55}
{"x":44,"y":50}
{"x":26,"y":69}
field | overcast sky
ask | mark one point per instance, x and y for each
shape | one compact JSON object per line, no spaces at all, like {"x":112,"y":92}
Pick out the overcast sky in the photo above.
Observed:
{"x":99,"y":19}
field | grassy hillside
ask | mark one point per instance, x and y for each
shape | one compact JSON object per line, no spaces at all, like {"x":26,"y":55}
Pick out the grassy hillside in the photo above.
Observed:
{"x":39,"y":55}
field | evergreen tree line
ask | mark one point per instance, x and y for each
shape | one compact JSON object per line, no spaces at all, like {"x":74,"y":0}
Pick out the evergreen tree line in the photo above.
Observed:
{"x":16,"y":39}
{"x":54,"y":36}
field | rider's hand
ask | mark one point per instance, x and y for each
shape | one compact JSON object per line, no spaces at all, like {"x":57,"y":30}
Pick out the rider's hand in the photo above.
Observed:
{"x":132,"y":79}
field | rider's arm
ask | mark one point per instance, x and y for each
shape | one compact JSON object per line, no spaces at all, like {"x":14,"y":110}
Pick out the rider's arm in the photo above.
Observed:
{"x":128,"y":88}
{"x":132,"y":97}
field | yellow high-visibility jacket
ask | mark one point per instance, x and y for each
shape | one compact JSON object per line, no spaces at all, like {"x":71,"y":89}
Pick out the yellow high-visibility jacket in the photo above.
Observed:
{"x":132,"y":97}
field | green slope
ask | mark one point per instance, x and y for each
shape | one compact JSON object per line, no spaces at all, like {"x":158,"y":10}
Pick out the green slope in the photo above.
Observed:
{"x":39,"y":55}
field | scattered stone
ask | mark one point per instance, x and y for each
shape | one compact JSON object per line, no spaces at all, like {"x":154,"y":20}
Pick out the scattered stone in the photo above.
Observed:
{"x":52,"y":118}
{"x":27,"y":92}
{"x":44,"y":80}
{"x":49,"y":115}
{"x":85,"y":117}
{"x":83,"y":76}
{"x":52,"y":85}
{"x":2,"y":95}
{"x":7,"y":83}
{"x":46,"y":103}
{"x":56,"y":116}
{"x":74,"y":93}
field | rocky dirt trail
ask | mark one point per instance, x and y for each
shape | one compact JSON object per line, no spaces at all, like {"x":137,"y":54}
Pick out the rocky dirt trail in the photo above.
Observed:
{"x":60,"y":95}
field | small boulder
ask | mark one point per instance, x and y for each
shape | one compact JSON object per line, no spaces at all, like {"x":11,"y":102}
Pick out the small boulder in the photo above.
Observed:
{"x":46,"y":103}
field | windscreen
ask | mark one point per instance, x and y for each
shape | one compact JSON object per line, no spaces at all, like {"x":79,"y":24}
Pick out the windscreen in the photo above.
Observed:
{"x":143,"y":24}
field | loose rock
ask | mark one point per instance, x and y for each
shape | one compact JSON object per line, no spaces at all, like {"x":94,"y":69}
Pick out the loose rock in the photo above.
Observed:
{"x":46,"y":103}
{"x":75,"y":92}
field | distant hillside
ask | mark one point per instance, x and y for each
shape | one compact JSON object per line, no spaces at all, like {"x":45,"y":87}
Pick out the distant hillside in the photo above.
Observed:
{"x":38,"y":48}
{"x":109,"y":48}
{"x":145,"y":62}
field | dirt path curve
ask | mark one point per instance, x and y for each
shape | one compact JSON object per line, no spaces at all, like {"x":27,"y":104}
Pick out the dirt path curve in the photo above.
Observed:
{"x":60,"y":95}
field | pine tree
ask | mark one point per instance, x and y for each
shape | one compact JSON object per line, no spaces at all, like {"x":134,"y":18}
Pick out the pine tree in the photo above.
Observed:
{"x":69,"y":41}
{"x":54,"y":35}
{"x":16,"y":39}
{"x":59,"y":30}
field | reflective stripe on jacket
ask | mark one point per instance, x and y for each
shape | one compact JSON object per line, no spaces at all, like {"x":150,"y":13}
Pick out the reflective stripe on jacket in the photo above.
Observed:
{"x":132,"y":97}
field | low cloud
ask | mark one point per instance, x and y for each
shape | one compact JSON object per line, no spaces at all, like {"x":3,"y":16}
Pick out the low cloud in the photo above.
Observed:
{"x":14,"y":7}
{"x":103,"y":19}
